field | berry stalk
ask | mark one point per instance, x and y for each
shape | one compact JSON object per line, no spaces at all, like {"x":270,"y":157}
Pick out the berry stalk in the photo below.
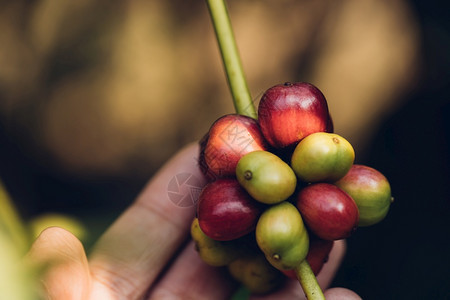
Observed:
{"x":233,"y":67}
{"x":308,"y":281}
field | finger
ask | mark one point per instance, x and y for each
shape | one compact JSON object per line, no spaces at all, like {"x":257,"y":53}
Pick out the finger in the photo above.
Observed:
{"x":293,"y":290}
{"x":341,"y":293}
{"x":191,"y":278}
{"x":134,"y":250}
{"x":65,"y":264}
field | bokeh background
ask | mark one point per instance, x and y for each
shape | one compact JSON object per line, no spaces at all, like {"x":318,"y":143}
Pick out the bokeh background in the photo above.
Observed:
{"x":96,"y":95}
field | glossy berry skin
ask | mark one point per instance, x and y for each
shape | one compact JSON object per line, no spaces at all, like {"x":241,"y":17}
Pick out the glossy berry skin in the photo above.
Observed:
{"x":289,"y":112}
{"x":266,"y":177}
{"x":322,"y":157}
{"x":329,"y":212}
{"x":226,"y":211}
{"x":282,"y":236}
{"x":229,"y":138}
{"x":371,"y":191}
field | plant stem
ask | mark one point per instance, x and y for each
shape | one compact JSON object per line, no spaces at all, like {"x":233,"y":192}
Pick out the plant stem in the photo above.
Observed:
{"x":308,"y":281}
{"x":230,"y":57}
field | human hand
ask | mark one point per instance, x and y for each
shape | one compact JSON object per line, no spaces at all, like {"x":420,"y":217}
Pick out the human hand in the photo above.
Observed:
{"x":147,"y":253}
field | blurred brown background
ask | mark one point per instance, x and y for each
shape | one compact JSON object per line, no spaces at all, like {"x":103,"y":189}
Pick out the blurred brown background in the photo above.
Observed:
{"x":96,"y":95}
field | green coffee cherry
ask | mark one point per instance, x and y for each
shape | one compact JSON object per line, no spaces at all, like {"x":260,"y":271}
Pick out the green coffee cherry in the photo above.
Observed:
{"x":282,"y":236}
{"x":214,"y":253}
{"x":266,"y":177}
{"x":323,"y":157}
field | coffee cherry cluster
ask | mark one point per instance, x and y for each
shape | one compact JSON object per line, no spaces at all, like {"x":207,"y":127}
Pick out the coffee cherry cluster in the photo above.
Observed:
{"x":282,"y":189}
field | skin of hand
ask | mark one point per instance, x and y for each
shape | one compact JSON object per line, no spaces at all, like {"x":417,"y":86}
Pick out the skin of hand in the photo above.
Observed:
{"x":147,"y":253}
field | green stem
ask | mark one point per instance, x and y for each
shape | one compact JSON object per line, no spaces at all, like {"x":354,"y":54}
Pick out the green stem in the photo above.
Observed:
{"x":308,"y":281}
{"x":11,"y":222}
{"x":230,"y":57}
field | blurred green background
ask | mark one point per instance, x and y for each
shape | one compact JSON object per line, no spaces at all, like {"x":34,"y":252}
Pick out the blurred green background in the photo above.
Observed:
{"x":96,"y":95}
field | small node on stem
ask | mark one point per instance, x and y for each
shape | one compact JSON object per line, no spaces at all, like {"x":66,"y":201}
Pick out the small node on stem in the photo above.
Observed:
{"x":248,"y":175}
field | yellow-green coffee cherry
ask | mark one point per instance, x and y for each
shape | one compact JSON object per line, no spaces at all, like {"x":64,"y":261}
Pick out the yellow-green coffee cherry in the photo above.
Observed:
{"x":214,"y":253}
{"x":282,"y":236}
{"x":256,"y":273}
{"x":266,"y":177}
{"x":322,"y":157}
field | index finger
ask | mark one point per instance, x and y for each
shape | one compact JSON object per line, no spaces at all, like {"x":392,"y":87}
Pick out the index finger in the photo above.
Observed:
{"x":130,"y":255}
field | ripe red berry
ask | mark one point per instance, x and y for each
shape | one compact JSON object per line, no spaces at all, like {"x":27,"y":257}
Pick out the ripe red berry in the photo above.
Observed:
{"x":226,"y":211}
{"x":289,"y":112}
{"x":329,"y":212}
{"x":229,"y":138}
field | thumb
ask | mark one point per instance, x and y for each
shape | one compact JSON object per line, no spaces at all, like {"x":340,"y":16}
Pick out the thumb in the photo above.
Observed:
{"x":64,"y":263}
